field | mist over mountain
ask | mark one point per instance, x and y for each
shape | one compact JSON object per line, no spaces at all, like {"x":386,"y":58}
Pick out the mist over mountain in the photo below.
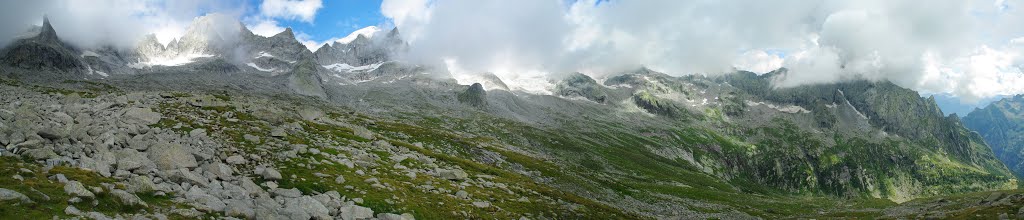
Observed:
{"x":510,"y":110}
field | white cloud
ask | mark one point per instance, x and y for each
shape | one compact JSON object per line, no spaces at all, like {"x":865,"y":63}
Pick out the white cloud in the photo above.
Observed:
{"x":266,"y":28}
{"x":311,"y":44}
{"x":304,"y":10}
{"x":408,"y":14}
{"x":758,"y":61}
{"x":946,"y":46}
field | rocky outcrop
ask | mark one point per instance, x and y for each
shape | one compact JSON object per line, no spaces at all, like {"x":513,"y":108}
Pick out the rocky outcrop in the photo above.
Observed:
{"x":579,"y":85}
{"x":305,"y":80}
{"x":474,"y":96}
{"x":45,"y":51}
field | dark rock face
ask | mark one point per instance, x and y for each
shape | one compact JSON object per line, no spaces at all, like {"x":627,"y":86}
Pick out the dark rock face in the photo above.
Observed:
{"x":474,"y":96}
{"x":42,"y":52}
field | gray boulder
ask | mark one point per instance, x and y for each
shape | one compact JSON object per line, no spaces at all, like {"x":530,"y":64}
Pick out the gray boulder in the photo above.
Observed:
{"x":220,"y":170}
{"x":130,"y":159}
{"x":270,"y":174}
{"x":240,"y":209}
{"x":127,"y":198}
{"x":144,"y":116}
{"x":305,"y":208}
{"x":7,"y":195}
{"x":140,"y":184}
{"x":452,"y":174}
{"x":183,"y":175}
{"x":235,"y":160}
{"x":278,"y":132}
{"x":287,"y":193}
{"x":251,"y":138}
{"x":75,"y":188}
{"x":170,"y":156}
{"x":353,"y":212}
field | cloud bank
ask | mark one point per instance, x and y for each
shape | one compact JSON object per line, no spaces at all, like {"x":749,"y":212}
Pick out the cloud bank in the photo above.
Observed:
{"x":970,"y":49}
{"x":118,"y":23}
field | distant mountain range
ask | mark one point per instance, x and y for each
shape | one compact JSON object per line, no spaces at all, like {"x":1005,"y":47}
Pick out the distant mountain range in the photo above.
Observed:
{"x":1002,"y":125}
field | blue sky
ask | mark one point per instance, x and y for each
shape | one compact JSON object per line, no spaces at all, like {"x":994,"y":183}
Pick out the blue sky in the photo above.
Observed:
{"x":337,"y":18}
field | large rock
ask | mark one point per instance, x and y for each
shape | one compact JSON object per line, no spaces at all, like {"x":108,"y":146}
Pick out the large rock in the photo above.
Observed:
{"x":452,"y":174}
{"x":287,"y":193}
{"x":140,"y":142}
{"x":235,"y":160}
{"x":390,"y":216}
{"x":40,"y":153}
{"x":305,"y":208}
{"x":169,"y":156}
{"x":127,"y":198}
{"x":129,"y":159}
{"x":353,"y":212}
{"x":183,"y":175}
{"x":220,"y":170}
{"x":240,"y":209}
{"x":144,"y":116}
{"x":270,"y":174}
{"x":51,"y":134}
{"x":7,"y":195}
{"x":278,"y":132}
{"x":140,"y":184}
{"x":76,"y":188}
{"x":203,"y":201}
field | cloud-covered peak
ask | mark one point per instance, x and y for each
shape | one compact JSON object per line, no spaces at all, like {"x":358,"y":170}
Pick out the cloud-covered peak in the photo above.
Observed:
{"x":962,"y":48}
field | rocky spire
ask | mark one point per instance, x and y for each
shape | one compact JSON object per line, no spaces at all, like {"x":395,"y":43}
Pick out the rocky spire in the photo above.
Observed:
{"x":47,"y":34}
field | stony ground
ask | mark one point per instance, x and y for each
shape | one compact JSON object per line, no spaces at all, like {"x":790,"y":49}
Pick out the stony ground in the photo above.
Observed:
{"x":87,"y":150}
{"x":97,"y":152}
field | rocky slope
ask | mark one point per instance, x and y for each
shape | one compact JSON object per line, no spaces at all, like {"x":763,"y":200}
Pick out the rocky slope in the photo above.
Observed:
{"x":1002,"y":125}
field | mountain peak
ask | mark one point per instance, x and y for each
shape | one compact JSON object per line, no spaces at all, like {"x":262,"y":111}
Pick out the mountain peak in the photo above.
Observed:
{"x":287,"y":33}
{"x":394,"y":33}
{"x":47,"y":33}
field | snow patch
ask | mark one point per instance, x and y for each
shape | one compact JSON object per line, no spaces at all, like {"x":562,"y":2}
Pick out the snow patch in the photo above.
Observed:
{"x":253,"y":65}
{"x":344,"y":67}
{"x":178,"y":60}
{"x":89,"y":53}
{"x":101,"y":73}
{"x":263,"y":54}
{"x":792,"y":109}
